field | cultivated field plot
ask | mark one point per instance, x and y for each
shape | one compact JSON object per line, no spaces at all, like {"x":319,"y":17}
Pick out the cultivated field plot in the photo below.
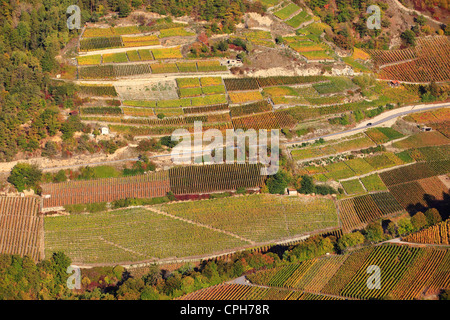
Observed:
{"x":260,"y":38}
{"x":21,"y":227}
{"x":428,"y":117}
{"x":210,"y":178}
{"x":250,"y":108}
{"x":100,"y":91}
{"x":382,"y":135}
{"x":130,"y":235}
{"x":414,"y":172}
{"x":105,"y":190}
{"x":359,"y":211}
{"x":409,"y":273}
{"x":287,"y":11}
{"x":353,"y":186}
{"x":267,"y":120}
{"x":260,"y":217}
{"x":243,"y":292}
{"x":373,"y":183}
{"x":422,"y":139}
{"x":104,"y":32}
{"x":311,"y":275}
{"x":437,"y":234}
{"x":429,"y":61}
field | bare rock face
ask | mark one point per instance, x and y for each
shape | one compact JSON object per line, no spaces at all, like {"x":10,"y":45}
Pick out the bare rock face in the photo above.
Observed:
{"x":254,"y":20}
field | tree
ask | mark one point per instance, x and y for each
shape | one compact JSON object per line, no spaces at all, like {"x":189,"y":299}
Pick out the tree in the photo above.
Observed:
{"x":277,"y":183}
{"x":419,"y":221}
{"x":350,"y":240}
{"x":24,"y":176}
{"x":124,"y":9}
{"x":306,"y":185}
{"x":404,"y":226}
{"x":433,"y":216}
{"x":374,"y":232}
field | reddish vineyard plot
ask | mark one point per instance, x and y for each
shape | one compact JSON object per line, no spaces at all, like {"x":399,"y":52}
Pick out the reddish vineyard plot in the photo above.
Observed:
{"x":382,"y":57}
{"x":244,"y":292}
{"x":268,"y":120}
{"x":358,"y":211}
{"x":409,"y":194}
{"x":419,"y":274}
{"x":437,"y":234}
{"x":251,"y":108}
{"x":310,"y":275}
{"x":408,"y":173}
{"x":241,"y":84}
{"x":434,"y":186}
{"x":105,"y":190}
{"x":21,"y":227}
{"x":217,"y":177}
{"x":432,"y":63}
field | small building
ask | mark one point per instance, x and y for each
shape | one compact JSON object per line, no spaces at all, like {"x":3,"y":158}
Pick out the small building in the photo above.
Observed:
{"x":291,"y":192}
{"x":394,"y":83}
{"x":104,"y":130}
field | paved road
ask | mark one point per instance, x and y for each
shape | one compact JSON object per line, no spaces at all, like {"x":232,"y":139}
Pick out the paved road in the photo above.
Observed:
{"x":361,"y":127}
{"x":376,"y":121}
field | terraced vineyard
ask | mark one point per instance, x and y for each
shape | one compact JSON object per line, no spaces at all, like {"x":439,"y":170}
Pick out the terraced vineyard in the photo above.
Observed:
{"x":21,"y":227}
{"x":130,"y":235}
{"x":429,"y":62}
{"x":105,"y":190}
{"x":311,"y":275}
{"x":356,"y":212}
{"x":406,"y":273}
{"x":267,"y":120}
{"x":244,"y":292}
{"x":267,"y":217}
{"x":437,"y":234}
{"x":210,"y":178}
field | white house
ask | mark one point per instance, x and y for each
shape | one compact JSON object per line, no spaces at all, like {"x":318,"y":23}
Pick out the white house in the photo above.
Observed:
{"x":105,"y":130}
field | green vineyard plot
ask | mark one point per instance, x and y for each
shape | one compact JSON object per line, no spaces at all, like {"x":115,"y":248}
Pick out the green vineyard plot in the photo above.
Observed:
{"x":267,"y":217}
{"x":129,"y":236}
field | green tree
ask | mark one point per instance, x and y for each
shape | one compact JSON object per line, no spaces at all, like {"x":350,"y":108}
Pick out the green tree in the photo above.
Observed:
{"x":374,"y":232}
{"x":306,"y":185}
{"x":419,"y":221}
{"x":24,"y":176}
{"x":433,"y":216}
{"x":350,"y":240}
{"x":277,"y":183}
{"x":124,"y":9}
{"x":404,"y":226}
